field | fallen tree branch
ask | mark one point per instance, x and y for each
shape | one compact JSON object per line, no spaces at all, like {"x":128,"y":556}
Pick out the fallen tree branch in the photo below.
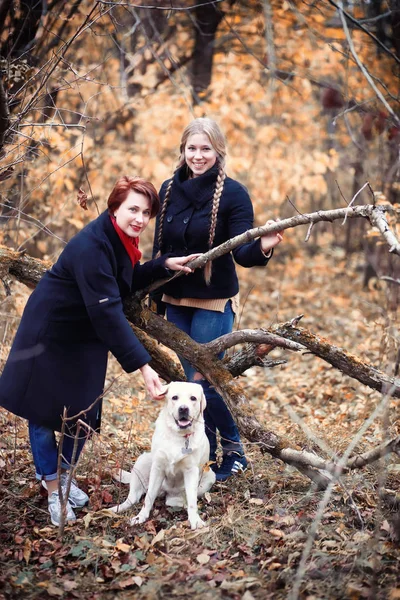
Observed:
{"x":361,"y":460}
{"x":347,"y":363}
{"x":259,"y":336}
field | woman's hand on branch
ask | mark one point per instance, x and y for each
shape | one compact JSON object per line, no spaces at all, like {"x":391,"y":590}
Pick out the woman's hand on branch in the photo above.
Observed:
{"x":270,"y":240}
{"x":178,"y":263}
{"x":152,"y":382}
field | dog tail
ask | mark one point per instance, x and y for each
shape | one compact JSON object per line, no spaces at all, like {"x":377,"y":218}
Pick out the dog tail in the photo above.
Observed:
{"x":122,"y":476}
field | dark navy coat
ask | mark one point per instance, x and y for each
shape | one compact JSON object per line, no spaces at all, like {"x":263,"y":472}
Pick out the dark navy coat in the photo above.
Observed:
{"x":186,"y":230}
{"x":71,"y":321}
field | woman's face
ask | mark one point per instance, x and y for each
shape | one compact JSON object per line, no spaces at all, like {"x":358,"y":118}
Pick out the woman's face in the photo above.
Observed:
{"x":199,"y":154}
{"x":133,"y":215}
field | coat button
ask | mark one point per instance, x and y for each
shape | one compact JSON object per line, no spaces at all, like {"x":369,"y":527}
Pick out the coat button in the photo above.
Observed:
{"x":186,"y":220}
{"x":169,"y":218}
{"x":169,"y":249}
{"x":184,"y":248}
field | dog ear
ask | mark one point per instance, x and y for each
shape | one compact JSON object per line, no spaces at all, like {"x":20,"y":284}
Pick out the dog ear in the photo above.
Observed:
{"x":203,"y":401}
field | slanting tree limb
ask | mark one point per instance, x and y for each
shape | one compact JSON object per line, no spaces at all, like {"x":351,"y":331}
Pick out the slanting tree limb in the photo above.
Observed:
{"x":259,"y":336}
{"x":360,"y":460}
{"x":366,"y":211}
{"x":347,"y":363}
{"x":165,"y":366}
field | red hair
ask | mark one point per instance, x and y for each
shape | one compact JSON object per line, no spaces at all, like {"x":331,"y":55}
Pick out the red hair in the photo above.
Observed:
{"x":124,"y":185}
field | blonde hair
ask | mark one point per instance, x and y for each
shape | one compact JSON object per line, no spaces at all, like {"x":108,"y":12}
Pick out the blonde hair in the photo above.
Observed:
{"x":217,"y":141}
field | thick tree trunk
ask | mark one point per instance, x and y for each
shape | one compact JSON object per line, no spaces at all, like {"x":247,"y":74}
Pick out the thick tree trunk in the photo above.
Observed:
{"x":208,"y":17}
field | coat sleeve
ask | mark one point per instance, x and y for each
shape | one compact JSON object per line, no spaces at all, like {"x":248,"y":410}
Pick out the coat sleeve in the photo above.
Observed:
{"x":150,"y":271}
{"x":241,"y":219}
{"x":96,"y":280}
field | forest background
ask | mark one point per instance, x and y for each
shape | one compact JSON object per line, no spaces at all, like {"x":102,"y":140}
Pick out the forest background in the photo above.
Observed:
{"x":307,"y":94}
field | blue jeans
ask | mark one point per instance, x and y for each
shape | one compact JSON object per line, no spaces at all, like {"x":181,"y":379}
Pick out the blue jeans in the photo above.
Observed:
{"x":45,"y":451}
{"x":204,"y":326}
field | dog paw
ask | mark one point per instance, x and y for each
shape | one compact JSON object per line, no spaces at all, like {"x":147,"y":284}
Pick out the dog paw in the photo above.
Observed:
{"x":197,"y":523}
{"x":140,"y":518}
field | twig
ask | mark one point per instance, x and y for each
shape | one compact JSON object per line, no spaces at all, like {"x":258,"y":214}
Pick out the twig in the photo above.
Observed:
{"x":65,"y":125}
{"x":390,"y":279}
{"x":294,"y":594}
{"x":83,"y":412}
{"x":360,"y":64}
{"x":167,"y":8}
{"x":348,"y":16}
{"x":353,"y":199}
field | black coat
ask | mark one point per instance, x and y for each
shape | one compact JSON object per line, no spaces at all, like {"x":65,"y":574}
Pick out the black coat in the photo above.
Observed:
{"x":186,"y":230}
{"x":71,"y":321}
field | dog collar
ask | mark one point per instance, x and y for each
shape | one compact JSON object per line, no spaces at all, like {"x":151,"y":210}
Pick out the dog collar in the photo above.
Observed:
{"x":186,"y":449}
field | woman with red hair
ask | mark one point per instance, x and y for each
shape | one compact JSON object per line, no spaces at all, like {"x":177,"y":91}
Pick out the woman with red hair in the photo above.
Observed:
{"x":71,"y":321}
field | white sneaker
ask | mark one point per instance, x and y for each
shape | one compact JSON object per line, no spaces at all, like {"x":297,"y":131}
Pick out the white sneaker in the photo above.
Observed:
{"x":77,"y":497}
{"x":55,"y":509}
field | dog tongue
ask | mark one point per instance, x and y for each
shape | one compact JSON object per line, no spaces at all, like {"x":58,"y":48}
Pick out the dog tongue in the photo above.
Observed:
{"x":183,"y":423}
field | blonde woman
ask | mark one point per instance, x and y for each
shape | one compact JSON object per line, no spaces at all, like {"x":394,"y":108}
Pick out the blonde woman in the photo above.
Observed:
{"x":201,"y":208}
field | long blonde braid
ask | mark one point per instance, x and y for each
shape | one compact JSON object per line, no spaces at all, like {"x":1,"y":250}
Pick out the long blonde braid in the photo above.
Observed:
{"x":219,"y":187}
{"x":163,"y":212}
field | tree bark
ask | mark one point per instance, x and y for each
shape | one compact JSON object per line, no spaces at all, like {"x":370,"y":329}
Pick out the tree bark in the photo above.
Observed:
{"x":347,"y":363}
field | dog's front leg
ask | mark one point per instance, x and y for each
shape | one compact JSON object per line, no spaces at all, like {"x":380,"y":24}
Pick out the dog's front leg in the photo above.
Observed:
{"x":155,"y":482}
{"x":191,"y":478}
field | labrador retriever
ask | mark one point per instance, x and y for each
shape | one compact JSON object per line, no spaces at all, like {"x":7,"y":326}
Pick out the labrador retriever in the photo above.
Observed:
{"x":179,"y":453}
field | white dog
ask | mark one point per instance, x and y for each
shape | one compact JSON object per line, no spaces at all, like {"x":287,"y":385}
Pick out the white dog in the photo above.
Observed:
{"x":179,"y":451}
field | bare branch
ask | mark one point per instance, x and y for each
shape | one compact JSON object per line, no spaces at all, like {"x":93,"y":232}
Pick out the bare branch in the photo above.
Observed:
{"x":379,"y":220}
{"x":169,"y":8}
{"x":4,"y":113}
{"x":258,"y":336}
{"x":350,"y":212}
{"x":390,"y":279}
{"x":364,"y":29}
{"x":371,"y":456}
{"x":346,"y":362}
{"x":362,"y":67}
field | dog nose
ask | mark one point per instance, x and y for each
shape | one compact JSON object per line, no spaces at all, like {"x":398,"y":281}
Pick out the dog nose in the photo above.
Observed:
{"x":183,"y":412}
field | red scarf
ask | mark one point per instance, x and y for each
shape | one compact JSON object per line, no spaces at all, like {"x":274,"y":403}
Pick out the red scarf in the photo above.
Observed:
{"x":131,"y":244}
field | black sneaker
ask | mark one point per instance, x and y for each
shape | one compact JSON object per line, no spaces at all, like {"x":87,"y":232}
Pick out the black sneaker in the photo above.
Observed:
{"x":232,"y":463}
